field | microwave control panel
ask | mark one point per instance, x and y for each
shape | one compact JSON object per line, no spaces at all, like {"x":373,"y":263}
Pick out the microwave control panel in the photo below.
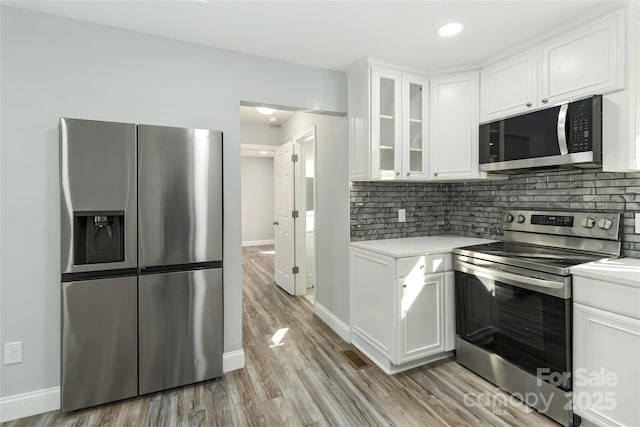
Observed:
{"x":580,"y":126}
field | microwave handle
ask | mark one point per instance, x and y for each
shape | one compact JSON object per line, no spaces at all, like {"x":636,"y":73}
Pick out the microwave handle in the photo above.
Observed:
{"x":562,"y":129}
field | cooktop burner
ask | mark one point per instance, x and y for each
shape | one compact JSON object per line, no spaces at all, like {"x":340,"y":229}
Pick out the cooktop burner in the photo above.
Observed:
{"x":536,"y":257}
{"x":552,"y":242}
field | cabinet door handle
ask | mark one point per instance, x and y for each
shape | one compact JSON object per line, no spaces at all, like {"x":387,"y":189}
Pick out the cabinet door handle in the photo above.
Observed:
{"x":529,"y":104}
{"x":435,"y":174}
{"x":545,"y":100}
{"x":408,"y":173}
{"x":275,"y":222}
{"x":397,"y":173}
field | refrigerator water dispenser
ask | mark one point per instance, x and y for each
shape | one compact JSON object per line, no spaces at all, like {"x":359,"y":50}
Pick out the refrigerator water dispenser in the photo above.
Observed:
{"x":99,"y":237}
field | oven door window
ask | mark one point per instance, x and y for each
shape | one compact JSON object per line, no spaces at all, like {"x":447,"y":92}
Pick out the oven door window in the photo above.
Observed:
{"x":527,"y":328}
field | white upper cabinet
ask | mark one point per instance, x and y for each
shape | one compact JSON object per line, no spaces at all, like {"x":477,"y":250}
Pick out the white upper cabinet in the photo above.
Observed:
{"x":359,"y":106}
{"x":389,"y":108}
{"x":387,"y":124}
{"x":508,"y":87}
{"x":415,"y":95}
{"x":453,"y":126}
{"x":621,"y":109}
{"x":584,"y":62}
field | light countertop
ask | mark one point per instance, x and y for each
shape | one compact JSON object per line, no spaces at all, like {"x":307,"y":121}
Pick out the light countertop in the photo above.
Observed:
{"x":625,"y":271}
{"x":414,"y":246}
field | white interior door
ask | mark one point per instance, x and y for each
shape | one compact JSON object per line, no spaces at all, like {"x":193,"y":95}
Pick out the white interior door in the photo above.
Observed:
{"x":284,"y":223}
{"x":304,"y":183}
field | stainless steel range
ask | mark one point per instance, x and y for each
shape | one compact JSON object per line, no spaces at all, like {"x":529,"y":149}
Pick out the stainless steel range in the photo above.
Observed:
{"x":514,"y":307}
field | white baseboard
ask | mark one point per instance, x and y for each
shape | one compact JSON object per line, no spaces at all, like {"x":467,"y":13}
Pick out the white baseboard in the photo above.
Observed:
{"x":41,"y":401}
{"x":27,"y":404}
{"x":258,"y":242}
{"x":338,"y":326}
{"x":232,"y":360}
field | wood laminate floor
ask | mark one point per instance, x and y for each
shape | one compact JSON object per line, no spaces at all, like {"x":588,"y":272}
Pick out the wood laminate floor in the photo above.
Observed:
{"x":305,"y":380}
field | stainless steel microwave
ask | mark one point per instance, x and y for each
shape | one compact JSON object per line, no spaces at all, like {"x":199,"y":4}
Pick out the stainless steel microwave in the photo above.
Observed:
{"x":565,"y":135}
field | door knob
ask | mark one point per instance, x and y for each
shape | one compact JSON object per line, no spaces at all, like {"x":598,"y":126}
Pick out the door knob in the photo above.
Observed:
{"x":528,"y":104}
{"x":275,"y":222}
{"x":545,"y":100}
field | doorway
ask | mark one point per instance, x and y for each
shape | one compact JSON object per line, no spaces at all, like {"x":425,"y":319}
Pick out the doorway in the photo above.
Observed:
{"x":288,"y":230}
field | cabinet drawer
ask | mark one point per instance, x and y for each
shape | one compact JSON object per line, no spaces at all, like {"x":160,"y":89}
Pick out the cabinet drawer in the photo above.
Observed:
{"x":426,"y":264}
{"x":610,"y":296}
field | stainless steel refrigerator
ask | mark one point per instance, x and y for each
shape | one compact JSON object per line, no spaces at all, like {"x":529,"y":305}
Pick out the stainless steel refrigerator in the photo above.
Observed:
{"x":141,"y":260}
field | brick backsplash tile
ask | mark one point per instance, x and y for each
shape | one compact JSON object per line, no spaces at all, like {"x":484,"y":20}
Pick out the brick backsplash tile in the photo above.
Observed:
{"x":476,"y":208}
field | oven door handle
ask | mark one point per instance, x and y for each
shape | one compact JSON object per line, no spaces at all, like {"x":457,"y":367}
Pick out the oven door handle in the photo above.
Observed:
{"x":550,"y":287}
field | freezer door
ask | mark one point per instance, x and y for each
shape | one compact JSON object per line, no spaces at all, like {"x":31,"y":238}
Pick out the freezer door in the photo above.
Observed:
{"x":99,"y":342}
{"x":97,"y":195}
{"x":180,"y":195}
{"x":180,"y":325}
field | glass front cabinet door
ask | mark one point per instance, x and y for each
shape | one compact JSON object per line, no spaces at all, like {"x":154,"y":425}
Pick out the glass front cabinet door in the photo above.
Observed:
{"x":386,"y":124}
{"x":414,"y":158}
{"x":397,"y":128}
{"x":388,"y":120}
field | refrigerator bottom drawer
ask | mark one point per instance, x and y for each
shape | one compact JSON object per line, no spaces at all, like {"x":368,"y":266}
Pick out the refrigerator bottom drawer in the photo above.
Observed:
{"x":99,"y":342}
{"x":180,"y":328}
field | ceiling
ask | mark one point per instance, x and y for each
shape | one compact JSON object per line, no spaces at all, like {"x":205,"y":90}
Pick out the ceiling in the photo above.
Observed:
{"x":251,"y":115}
{"x":335,"y":34}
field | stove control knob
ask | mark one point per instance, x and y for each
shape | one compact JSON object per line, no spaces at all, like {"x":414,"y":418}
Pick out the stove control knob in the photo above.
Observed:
{"x":588,"y":222}
{"x":521,"y":219}
{"x":605,"y":223}
{"x":508,"y":218}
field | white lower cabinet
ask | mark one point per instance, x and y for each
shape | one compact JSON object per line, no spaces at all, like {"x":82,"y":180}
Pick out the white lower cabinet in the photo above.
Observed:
{"x":401,"y":313}
{"x":606,"y":384}
{"x":372,"y":314}
{"x":606,"y":343}
{"x":420,"y":327}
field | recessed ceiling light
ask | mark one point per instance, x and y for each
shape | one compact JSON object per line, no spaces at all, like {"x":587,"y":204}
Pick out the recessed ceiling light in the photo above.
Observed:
{"x":450,"y":29}
{"x":266,"y":111}
{"x":264,"y":152}
{"x":273,"y":119}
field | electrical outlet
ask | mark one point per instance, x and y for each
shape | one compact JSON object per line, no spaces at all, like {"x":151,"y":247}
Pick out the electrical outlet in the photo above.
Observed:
{"x":402,"y":215}
{"x":13,"y":352}
{"x":637,"y":223}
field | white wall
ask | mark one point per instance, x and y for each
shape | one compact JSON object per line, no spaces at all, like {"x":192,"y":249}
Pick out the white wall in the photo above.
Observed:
{"x":54,"y":67}
{"x":257,"y":198}
{"x":257,"y":182}
{"x":332,"y":207}
{"x":260,"y":134}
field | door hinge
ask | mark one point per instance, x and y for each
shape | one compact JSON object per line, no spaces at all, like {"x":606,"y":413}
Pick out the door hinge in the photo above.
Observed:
{"x":294,"y":158}
{"x":294,"y":214}
{"x":295,"y":270}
